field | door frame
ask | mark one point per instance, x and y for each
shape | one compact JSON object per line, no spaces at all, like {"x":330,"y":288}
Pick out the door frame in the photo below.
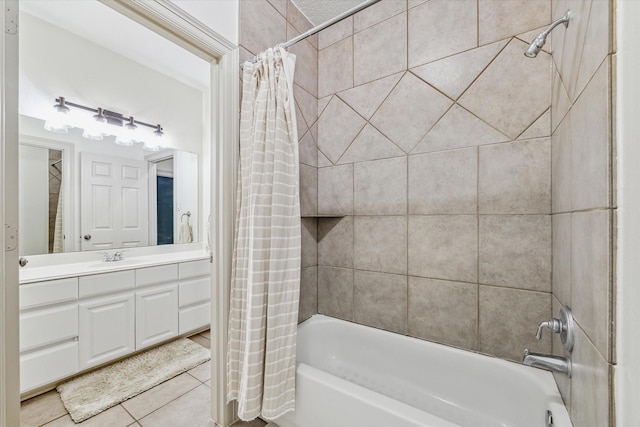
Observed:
{"x":170,"y":21}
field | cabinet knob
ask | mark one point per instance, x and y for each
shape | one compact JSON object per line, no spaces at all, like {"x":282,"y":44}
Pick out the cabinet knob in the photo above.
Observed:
{"x":23,"y":261}
{"x":87,"y":237}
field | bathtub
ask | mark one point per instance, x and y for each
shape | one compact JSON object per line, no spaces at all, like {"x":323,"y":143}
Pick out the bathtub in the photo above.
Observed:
{"x":350,"y":375}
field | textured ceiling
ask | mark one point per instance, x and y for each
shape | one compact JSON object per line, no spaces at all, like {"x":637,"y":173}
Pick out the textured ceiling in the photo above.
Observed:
{"x":319,"y":11}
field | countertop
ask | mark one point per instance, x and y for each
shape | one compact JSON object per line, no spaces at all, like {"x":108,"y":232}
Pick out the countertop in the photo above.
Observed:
{"x":50,"y":272}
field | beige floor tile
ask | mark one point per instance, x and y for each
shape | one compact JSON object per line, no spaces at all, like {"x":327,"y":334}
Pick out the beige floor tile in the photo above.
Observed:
{"x":190,"y":410}
{"x":41,"y":409}
{"x":112,"y":417}
{"x":201,"y":340}
{"x":202,"y":372}
{"x":152,"y":399}
{"x":206,"y":334}
{"x":254,"y":423}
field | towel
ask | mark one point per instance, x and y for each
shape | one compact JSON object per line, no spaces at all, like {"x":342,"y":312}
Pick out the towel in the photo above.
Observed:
{"x":186,"y":233}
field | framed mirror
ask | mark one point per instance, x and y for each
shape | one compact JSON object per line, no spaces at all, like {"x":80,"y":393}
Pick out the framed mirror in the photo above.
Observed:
{"x":106,"y":195}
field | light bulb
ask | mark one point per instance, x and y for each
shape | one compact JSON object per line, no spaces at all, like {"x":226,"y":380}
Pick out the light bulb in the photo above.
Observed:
{"x":154,"y":142}
{"x":128,"y":135}
{"x":96,"y":128}
{"x":58,"y":119}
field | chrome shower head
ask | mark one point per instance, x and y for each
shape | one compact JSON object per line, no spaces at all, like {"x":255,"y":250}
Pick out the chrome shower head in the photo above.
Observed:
{"x":536,"y":45}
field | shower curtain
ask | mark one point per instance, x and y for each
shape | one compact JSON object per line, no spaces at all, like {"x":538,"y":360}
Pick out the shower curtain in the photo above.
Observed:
{"x":261,"y":357}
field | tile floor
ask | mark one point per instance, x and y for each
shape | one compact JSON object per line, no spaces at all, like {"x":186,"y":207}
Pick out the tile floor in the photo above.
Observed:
{"x":183,"y":401}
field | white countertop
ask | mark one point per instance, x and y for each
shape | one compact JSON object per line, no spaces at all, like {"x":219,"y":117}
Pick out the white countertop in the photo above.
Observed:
{"x":49,"y":272}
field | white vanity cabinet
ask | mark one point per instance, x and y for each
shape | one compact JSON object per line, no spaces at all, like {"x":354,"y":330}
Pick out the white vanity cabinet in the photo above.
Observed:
{"x":107,"y":317}
{"x":48,"y":332}
{"x":156,"y":304}
{"x":73,"y":324}
{"x":194,"y":295}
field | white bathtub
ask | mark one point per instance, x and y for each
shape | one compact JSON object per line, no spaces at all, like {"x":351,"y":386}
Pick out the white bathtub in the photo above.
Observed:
{"x":351,"y":375}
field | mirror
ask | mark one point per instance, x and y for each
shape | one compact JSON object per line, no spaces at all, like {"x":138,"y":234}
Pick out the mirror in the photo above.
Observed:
{"x":78,"y":194}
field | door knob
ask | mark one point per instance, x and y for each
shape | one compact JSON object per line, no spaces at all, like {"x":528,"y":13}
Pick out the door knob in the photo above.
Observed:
{"x":87,"y":237}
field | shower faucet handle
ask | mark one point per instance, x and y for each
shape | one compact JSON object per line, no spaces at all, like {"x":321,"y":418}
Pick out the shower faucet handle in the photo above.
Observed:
{"x":563,"y":326}
{"x":554,"y":325}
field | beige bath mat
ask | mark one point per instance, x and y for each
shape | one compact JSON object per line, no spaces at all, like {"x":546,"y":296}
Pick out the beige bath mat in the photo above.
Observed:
{"x":96,"y":391}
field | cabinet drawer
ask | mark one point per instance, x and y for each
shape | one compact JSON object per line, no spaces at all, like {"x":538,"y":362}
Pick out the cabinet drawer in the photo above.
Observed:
{"x":45,"y":366}
{"x":195,"y":317}
{"x":106,"y":283}
{"x":48,"y":326}
{"x":195,"y":268}
{"x":194,"y":291}
{"x":154,"y":275}
{"x":49,"y":292}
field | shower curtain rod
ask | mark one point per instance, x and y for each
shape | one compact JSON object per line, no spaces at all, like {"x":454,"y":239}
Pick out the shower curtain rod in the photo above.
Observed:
{"x":325,"y":24}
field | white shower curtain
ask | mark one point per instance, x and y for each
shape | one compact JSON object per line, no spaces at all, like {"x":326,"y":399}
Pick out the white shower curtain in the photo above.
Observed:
{"x":261,"y":358}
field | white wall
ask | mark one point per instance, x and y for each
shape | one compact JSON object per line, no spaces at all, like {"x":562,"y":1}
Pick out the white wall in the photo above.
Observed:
{"x":54,"y":62}
{"x":219,"y":15}
{"x":627,"y":370}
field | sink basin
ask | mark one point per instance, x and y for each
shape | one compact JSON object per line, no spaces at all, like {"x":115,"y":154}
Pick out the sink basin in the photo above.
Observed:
{"x":116,"y":264}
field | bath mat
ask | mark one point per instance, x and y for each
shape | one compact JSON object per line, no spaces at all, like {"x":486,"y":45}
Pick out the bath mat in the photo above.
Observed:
{"x":96,"y":391}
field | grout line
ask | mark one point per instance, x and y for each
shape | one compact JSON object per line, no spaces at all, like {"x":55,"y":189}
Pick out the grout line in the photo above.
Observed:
{"x":478,"y":248}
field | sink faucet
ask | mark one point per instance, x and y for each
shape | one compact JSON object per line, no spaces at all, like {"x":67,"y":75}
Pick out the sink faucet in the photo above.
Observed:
{"x":545,"y":361}
{"x":111,"y":257}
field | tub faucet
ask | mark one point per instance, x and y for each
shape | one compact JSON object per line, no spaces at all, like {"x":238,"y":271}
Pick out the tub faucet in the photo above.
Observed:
{"x":546,"y":361}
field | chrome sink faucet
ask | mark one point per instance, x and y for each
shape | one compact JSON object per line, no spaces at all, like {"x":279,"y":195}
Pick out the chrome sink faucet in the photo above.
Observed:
{"x":112,"y":257}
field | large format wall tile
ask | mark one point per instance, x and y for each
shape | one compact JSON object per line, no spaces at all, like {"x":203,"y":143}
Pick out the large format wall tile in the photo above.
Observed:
{"x":380,"y":300}
{"x":370,"y":144}
{"x":441,"y":28}
{"x":589,"y":384}
{"x":335,"y":33}
{"x":411,"y":109}
{"x":335,"y":68}
{"x":308,"y":190}
{"x":261,"y":27}
{"x":306,"y":73}
{"x":335,"y":190}
{"x":590,"y":142}
{"x":458,"y":128}
{"x":444,"y":183}
{"x":380,"y":244}
{"x":380,"y":187}
{"x":515,"y":178}
{"x":561,"y":188}
{"x":335,"y":242}
{"x":509,"y":319}
{"x":377,"y":13}
{"x":561,"y":250}
{"x":380,"y":50}
{"x":597,"y":41}
{"x":444,"y":311}
{"x":309,"y":240}
{"x":512,"y":92}
{"x":335,"y":292}
{"x":590,"y":270}
{"x":444,"y":247}
{"x":498,"y":19}
{"x":454,"y":74}
{"x":308,"y":293}
{"x":515,"y":251}
{"x":366,"y":98}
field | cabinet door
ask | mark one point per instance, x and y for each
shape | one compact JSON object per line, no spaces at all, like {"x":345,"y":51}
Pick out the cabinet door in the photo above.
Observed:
{"x":156,"y":315}
{"x":107,"y":329}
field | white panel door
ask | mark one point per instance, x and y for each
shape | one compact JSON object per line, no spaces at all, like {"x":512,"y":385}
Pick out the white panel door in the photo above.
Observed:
{"x":107,"y":329}
{"x":114,"y":202}
{"x":156,"y":315}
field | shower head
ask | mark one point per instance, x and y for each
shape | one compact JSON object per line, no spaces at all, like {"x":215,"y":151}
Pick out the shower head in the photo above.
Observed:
{"x":536,"y":45}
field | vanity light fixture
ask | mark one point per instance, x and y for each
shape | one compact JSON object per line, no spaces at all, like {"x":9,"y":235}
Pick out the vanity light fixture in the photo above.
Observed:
{"x":127,"y":130}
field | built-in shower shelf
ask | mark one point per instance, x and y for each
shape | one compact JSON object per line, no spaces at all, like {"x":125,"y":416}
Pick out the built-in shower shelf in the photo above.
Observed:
{"x":324,"y":216}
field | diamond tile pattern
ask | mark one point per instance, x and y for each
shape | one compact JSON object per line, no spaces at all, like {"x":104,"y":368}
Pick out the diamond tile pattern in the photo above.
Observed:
{"x":454,"y":74}
{"x":411,"y":109}
{"x":365,"y":99}
{"x":370,"y":145}
{"x":338,"y":127}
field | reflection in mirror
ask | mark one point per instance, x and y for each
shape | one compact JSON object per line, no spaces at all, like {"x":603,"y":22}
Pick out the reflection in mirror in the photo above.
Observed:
{"x":108,"y":195}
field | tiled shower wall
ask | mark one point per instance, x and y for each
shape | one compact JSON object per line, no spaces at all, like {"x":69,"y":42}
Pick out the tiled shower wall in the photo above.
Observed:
{"x":263,"y":24}
{"x":434,"y":145}
{"x":583,"y":203}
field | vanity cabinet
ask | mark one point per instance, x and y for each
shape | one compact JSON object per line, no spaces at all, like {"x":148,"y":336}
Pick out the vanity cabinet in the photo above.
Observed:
{"x":107,"y":317}
{"x":156,"y":304}
{"x":194,"y":295}
{"x":48,"y":331}
{"x":73,"y":324}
